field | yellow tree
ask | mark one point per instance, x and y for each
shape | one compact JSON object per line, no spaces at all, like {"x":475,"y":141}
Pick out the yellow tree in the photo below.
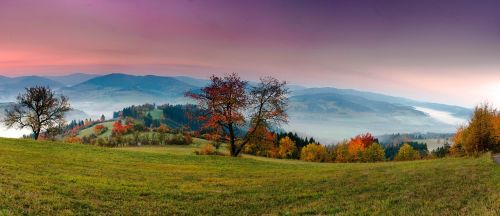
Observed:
{"x":341,"y":152}
{"x":373,"y":153}
{"x":458,"y":139}
{"x":287,"y":148}
{"x":406,"y":152}
{"x":314,"y":153}
{"x":480,"y":133}
{"x":496,"y":132}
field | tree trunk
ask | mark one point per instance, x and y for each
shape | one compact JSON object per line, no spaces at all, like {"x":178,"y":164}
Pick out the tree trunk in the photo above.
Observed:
{"x":36,"y":134}
{"x":232,"y":140}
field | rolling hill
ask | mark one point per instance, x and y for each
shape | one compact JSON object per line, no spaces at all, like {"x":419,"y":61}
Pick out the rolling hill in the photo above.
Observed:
{"x":11,"y":87}
{"x":329,"y":114}
{"x":454,"y":110}
{"x":72,"y":79}
{"x":332,"y":114}
{"x":46,"y":178}
{"x":108,"y":93}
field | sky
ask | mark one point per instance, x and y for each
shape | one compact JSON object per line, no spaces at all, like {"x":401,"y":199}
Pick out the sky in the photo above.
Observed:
{"x":444,"y":51}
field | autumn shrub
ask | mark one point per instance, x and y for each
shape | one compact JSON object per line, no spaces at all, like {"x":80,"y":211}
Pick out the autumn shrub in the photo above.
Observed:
{"x":287,"y":148}
{"x":119,"y":128}
{"x":188,"y":139}
{"x":374,"y":153}
{"x":162,"y":129}
{"x":273,"y":152}
{"x":207,"y":149}
{"x":73,"y":139}
{"x":99,"y":129}
{"x":341,"y":153}
{"x":261,"y":143}
{"x":406,"y":153}
{"x":314,"y":153}
{"x":180,"y":139}
{"x":479,"y":136}
{"x":358,"y":144}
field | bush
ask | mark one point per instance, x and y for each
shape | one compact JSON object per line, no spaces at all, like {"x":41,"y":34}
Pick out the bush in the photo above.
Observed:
{"x":73,"y":140}
{"x":207,"y":149}
{"x":314,"y":153}
{"x":162,"y":129}
{"x":139,"y":127}
{"x":99,"y":129}
{"x":374,"y":153}
{"x":262,"y":142}
{"x":287,"y":148}
{"x":480,"y":135}
{"x":406,"y":152}
{"x":341,"y":153}
{"x":180,"y":139}
{"x":358,"y":144}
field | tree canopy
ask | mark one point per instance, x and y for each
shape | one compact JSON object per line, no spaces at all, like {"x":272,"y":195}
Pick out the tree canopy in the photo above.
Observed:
{"x":230,"y":107}
{"x":39,"y":109}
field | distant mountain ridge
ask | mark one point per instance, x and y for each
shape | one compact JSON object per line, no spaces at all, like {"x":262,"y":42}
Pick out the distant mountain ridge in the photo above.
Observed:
{"x":148,"y":83}
{"x":319,"y":112}
{"x":110,"y":92}
{"x":72,"y":79}
{"x":455,"y":110}
{"x":11,"y":87}
{"x":340,"y":103}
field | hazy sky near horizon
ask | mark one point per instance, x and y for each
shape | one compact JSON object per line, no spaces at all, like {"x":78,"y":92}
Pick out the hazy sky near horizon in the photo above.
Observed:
{"x":444,"y":51}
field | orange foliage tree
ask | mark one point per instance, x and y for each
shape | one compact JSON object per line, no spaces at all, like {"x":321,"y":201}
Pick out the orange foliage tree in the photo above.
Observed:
{"x":98,"y":129}
{"x":119,"y":128}
{"x":262,"y":143}
{"x":358,"y":145}
{"x":230,"y":106}
{"x":73,"y":139}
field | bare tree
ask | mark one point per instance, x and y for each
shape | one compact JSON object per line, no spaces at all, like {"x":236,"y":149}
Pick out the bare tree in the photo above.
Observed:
{"x":230,"y":106}
{"x":38,"y":109}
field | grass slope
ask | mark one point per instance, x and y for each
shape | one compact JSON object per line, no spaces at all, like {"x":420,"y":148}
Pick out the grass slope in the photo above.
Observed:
{"x":44,"y":178}
{"x":89,"y":131}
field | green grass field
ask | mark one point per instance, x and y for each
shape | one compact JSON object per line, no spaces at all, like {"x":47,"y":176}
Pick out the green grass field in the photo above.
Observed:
{"x":45,"y":178}
{"x":89,"y":131}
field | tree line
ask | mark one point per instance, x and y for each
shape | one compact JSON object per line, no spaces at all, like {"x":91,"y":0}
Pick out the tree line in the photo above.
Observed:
{"x":230,"y":111}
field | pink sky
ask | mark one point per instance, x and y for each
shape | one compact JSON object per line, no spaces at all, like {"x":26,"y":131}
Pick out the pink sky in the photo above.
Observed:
{"x":444,"y":52}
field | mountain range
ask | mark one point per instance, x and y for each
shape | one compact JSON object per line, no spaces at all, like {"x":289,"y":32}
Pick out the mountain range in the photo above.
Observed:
{"x":327,"y":113}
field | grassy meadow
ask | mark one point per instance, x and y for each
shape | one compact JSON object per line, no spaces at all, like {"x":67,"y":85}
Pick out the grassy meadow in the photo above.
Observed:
{"x":89,"y":131}
{"x":51,"y":178}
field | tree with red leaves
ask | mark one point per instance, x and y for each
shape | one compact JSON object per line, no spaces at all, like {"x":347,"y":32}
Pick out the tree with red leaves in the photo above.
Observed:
{"x":119,"y":128}
{"x":230,"y":107}
{"x":359,"y":143}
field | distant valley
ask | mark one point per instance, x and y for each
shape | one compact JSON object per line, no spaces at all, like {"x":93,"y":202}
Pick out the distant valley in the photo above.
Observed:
{"x":330,"y":114}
